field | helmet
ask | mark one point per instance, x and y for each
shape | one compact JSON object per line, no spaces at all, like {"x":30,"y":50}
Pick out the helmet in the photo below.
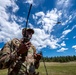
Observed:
{"x":28,"y":29}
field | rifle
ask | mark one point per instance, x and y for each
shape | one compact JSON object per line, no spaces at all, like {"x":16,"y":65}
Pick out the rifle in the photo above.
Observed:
{"x":24,"y":36}
{"x":27,"y":20}
{"x":28,"y":15}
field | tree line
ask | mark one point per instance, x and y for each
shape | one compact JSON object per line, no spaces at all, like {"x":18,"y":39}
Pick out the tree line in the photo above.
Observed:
{"x":59,"y":59}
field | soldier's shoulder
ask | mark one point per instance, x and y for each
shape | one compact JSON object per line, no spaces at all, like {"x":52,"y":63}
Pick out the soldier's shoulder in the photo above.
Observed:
{"x":15,"y":39}
{"x":16,"y":42}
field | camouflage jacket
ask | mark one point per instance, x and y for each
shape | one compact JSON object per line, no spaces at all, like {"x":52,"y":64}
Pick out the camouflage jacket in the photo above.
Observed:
{"x":9,"y":47}
{"x":18,"y":67}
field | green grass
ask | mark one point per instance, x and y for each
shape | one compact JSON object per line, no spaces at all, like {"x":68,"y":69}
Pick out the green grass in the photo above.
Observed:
{"x":3,"y":72}
{"x":58,"y":68}
{"x":53,"y":69}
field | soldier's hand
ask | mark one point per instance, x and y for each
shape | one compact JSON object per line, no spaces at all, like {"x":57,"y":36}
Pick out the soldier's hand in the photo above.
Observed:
{"x":27,"y":45}
{"x":37,"y":56}
{"x":24,"y":48}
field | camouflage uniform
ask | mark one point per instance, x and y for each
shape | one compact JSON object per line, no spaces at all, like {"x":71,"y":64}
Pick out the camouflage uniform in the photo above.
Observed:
{"x":8,"y":48}
{"x":18,"y":66}
{"x":21,"y":58}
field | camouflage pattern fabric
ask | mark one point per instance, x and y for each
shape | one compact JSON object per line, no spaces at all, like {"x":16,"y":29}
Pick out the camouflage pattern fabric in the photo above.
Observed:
{"x":27,"y":67}
{"x":19,"y":67}
{"x":8,"y":48}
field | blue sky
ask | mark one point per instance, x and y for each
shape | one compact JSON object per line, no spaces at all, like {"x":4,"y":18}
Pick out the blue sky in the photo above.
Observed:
{"x":51,"y":38}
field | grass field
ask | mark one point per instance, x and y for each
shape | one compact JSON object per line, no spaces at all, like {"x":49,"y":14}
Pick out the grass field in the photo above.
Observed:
{"x":53,"y":69}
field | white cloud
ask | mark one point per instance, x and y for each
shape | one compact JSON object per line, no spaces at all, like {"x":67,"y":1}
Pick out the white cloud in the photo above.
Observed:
{"x":74,"y":46}
{"x":62,"y":49}
{"x":39,"y":14}
{"x":14,"y":6}
{"x":4,"y":3}
{"x":29,"y":1}
{"x":64,"y":6}
{"x":8,"y":30}
{"x":68,"y":20}
{"x":41,"y":39}
{"x":63,"y":3}
{"x":63,"y":43}
{"x":35,"y":2}
{"x":48,"y":20}
{"x":65,"y":32}
{"x":74,"y":37}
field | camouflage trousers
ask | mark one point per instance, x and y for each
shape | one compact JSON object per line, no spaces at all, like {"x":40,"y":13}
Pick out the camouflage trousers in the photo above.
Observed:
{"x":20,"y":73}
{"x":22,"y":69}
{"x":29,"y":74}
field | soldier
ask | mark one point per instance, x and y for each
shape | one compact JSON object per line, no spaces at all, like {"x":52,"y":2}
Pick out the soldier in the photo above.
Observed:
{"x":21,"y":55}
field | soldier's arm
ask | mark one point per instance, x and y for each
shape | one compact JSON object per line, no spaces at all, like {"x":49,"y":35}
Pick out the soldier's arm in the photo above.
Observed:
{"x":3,"y":58}
{"x":5,"y":52}
{"x":37,"y":57}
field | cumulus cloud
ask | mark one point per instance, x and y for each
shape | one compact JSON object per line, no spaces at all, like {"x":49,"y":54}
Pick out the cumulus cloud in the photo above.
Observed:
{"x":68,"y":20}
{"x":41,"y":39}
{"x":62,"y":49}
{"x":14,"y":6}
{"x":65,"y":32}
{"x":64,"y":6}
{"x":48,"y":20}
{"x":34,"y":2}
{"x":74,"y":46}
{"x":63,"y":43}
{"x":63,"y":3}
{"x":8,"y":29}
{"x":29,"y":1}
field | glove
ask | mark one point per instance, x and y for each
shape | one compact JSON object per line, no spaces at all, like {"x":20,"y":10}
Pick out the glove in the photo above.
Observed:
{"x":37,"y":57}
{"x":24,"y":48}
